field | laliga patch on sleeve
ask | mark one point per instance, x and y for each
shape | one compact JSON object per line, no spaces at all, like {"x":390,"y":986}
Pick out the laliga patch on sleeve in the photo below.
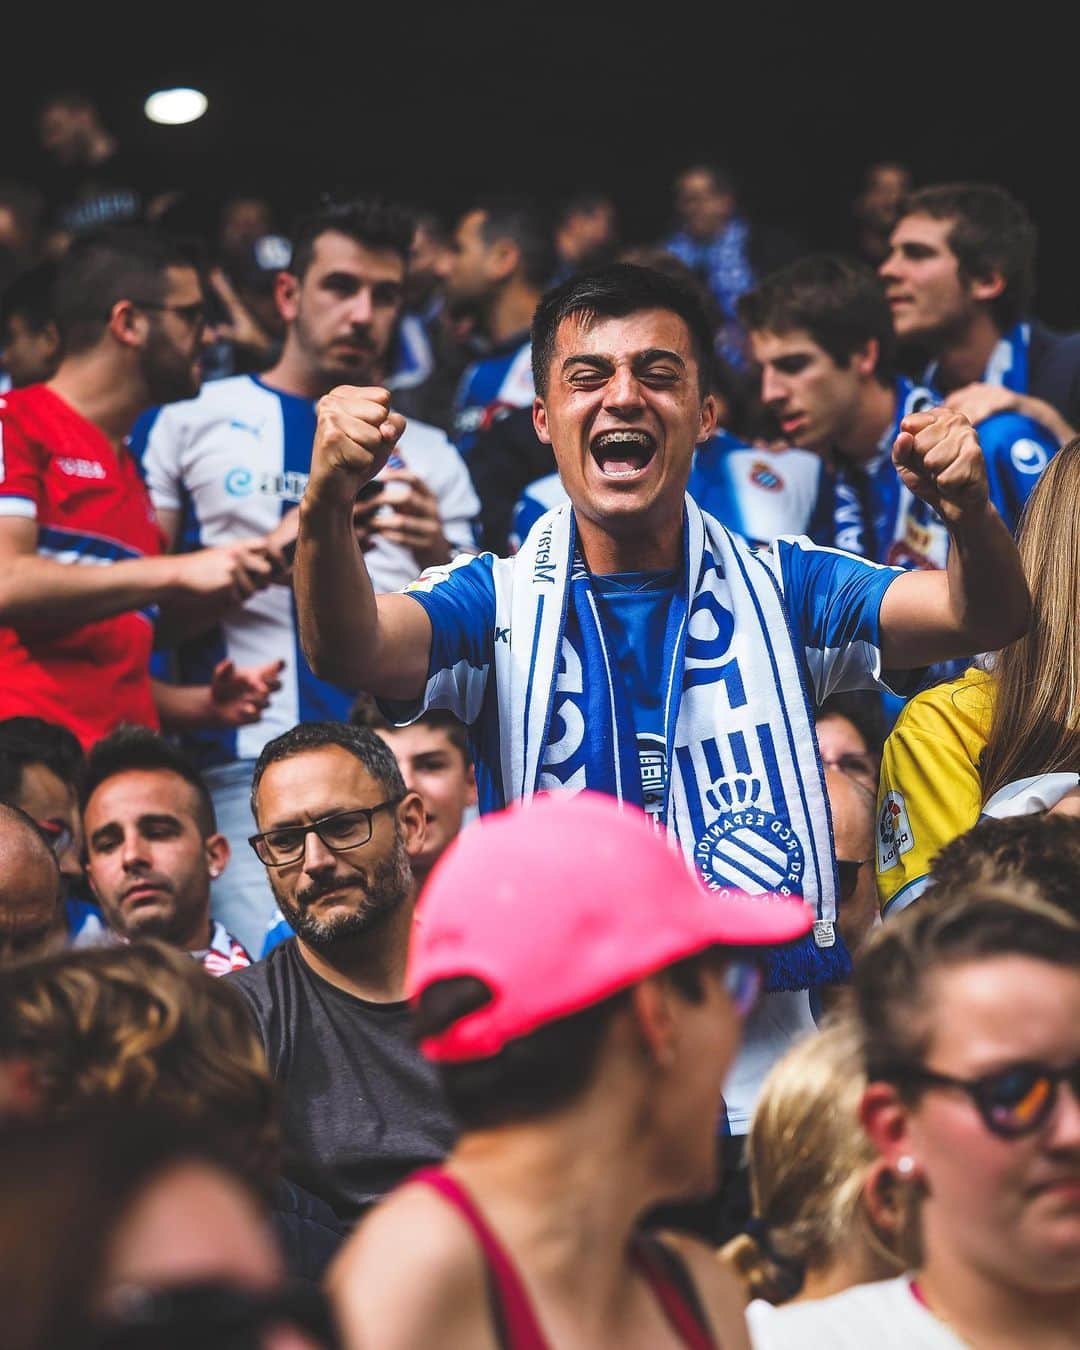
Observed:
{"x":894,"y":835}
{"x":1028,"y":456}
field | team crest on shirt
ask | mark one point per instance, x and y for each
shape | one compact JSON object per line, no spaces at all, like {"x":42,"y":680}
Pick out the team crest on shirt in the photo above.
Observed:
{"x":895,"y":835}
{"x":763,"y":476}
{"x":747,"y":848}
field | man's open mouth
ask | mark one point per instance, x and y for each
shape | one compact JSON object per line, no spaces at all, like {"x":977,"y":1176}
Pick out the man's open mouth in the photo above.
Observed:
{"x":621,"y":454}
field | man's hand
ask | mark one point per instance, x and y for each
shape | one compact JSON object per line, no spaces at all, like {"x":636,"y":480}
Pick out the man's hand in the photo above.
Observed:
{"x":280,"y":545}
{"x":231,"y":573}
{"x":239,"y":697}
{"x":354,"y":435}
{"x":938,"y":456}
{"x":406,"y":514}
{"x":977,"y":402}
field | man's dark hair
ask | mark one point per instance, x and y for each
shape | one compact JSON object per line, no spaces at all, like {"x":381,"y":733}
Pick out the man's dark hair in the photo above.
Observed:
{"x":584,"y":204}
{"x":614,"y":291}
{"x":365,"y":712}
{"x":131,"y":749}
{"x":1040,"y":849}
{"x":30,"y":297}
{"x":372,"y":752}
{"x":32,"y":740}
{"x":377,"y":225}
{"x":535,"y":1074}
{"x":991,"y":232}
{"x":527,"y":227}
{"x":102,"y":267}
{"x":837,"y":300}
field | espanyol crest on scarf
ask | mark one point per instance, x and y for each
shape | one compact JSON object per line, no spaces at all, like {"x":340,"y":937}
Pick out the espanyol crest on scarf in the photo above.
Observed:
{"x":745,"y":797}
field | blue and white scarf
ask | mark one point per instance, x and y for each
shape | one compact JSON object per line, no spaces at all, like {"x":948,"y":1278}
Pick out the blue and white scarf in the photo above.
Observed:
{"x":746,"y":798}
{"x":1008,"y":365}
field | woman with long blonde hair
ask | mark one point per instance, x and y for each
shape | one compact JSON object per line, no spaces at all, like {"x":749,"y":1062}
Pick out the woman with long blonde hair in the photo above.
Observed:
{"x":1004,"y":739}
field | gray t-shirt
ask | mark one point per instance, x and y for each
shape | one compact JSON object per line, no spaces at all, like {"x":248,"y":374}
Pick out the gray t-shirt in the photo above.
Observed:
{"x":361,"y":1108}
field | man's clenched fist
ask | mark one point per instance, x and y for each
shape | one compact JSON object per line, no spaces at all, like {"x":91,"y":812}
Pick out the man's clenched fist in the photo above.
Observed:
{"x":938,"y":456}
{"x":354,"y":436}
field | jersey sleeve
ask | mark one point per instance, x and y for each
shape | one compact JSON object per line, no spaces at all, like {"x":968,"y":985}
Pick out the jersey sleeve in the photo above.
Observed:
{"x":1016,"y":450}
{"x":22,"y":470}
{"x":833,"y":602}
{"x":460,"y":602}
{"x":156,"y":443}
{"x":929,"y":793}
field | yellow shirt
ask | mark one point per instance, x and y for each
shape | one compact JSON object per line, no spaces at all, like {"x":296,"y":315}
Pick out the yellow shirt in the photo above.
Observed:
{"x":930,"y":790}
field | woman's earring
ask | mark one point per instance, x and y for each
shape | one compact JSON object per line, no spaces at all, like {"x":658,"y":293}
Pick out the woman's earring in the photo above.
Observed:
{"x":905,"y":1165}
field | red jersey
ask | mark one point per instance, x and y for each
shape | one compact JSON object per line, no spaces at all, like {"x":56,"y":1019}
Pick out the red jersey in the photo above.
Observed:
{"x":91,"y":509}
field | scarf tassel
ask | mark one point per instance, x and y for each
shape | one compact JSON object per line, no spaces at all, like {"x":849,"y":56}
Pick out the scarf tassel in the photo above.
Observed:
{"x":803,"y":964}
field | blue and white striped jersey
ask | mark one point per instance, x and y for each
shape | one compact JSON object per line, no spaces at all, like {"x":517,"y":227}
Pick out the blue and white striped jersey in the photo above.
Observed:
{"x":490,"y":387}
{"x":758,"y":494}
{"x":233,"y":461}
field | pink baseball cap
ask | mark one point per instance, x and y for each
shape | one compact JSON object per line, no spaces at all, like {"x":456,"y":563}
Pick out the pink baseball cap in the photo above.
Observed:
{"x":557,"y":904}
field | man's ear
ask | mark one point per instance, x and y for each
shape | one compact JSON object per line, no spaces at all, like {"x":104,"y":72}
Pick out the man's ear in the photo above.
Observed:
{"x":218,"y":854}
{"x":411,"y":818}
{"x":987,"y":288}
{"x":287,"y":295}
{"x":540,"y":422}
{"x":865,"y":359}
{"x":709,"y":416}
{"x":504,"y":259}
{"x":651,"y":1002}
{"x":127,"y":324}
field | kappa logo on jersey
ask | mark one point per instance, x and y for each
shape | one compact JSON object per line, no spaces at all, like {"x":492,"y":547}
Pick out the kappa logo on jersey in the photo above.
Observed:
{"x":1028,"y":456}
{"x":747,"y":848}
{"x":80,"y":468}
{"x":765,"y":477}
{"x":895,"y":835}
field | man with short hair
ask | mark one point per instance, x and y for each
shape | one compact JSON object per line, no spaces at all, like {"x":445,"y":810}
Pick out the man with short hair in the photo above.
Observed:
{"x":434,"y":759}
{"x":1037,"y":848}
{"x":81,"y":576}
{"x":153,"y":847}
{"x":337,"y":831}
{"x":31,"y":890}
{"x":633,"y":645}
{"x":582,"y":1008}
{"x":29,"y":339}
{"x":960,"y":280}
{"x":821,"y":334}
{"x":235,"y":462}
{"x":496,"y":271}
{"x":41,"y":767}
{"x":586,"y":233}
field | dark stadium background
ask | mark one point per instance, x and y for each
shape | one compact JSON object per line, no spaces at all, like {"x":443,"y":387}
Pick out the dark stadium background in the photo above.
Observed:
{"x":436,"y":102}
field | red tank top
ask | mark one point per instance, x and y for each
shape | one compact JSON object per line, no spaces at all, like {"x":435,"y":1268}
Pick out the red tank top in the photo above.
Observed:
{"x":515,"y":1322}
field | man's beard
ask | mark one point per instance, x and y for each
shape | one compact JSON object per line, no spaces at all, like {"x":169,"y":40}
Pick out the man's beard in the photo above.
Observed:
{"x":384,"y":893}
{"x":169,"y":374}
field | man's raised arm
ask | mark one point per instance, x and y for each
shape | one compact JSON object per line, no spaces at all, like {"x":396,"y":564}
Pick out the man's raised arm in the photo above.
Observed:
{"x":980,"y":602}
{"x":350,"y":637}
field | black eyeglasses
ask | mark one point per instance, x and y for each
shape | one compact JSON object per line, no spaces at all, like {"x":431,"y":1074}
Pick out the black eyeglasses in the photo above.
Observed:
{"x":1013,"y":1102}
{"x":194,"y":314}
{"x":339,"y":832}
{"x":212,"y":1315}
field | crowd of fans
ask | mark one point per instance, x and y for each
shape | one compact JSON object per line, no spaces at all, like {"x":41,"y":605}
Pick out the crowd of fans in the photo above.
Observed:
{"x":733,"y":586}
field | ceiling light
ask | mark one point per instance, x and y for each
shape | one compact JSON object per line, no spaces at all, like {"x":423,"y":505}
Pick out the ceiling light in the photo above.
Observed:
{"x":173,"y":107}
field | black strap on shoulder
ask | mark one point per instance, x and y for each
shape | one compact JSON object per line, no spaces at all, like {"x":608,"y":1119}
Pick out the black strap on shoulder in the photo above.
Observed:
{"x":675,"y":1268}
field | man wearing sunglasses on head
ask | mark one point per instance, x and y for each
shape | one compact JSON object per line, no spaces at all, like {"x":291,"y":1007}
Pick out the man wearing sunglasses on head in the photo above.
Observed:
{"x":337,"y":832}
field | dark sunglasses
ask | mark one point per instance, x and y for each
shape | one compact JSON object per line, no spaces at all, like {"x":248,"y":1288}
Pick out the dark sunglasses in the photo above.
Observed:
{"x":213,"y":1316}
{"x":1013,"y":1102}
{"x":847,"y":876}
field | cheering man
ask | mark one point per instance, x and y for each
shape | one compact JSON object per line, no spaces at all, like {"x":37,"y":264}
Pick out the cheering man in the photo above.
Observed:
{"x":633,"y":645}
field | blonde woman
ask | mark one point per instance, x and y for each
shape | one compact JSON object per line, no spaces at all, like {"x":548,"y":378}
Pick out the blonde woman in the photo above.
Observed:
{"x":998,"y":744}
{"x":826,"y":1208}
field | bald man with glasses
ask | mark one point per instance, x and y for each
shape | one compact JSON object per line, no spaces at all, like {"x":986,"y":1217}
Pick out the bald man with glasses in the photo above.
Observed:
{"x":337,"y":832}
